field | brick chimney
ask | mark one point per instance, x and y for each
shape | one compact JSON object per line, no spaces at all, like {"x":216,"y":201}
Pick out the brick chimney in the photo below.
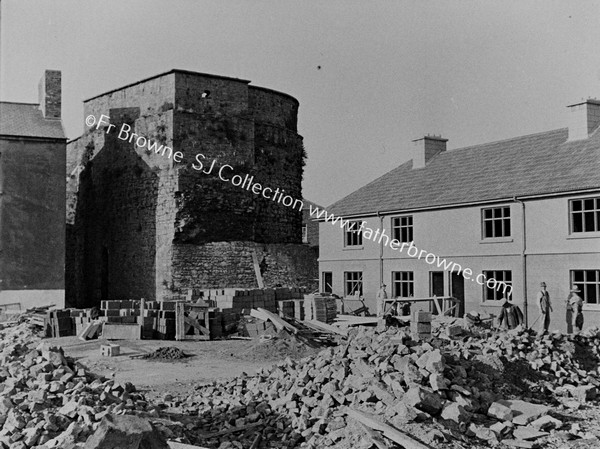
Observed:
{"x":50,"y":94}
{"x":425,"y":148}
{"x":584,"y":118}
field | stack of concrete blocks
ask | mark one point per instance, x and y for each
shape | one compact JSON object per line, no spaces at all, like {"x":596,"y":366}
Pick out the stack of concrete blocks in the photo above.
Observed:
{"x":320,"y":308}
{"x":81,"y":319}
{"x":59,"y":323}
{"x":253,"y":327}
{"x":128,"y":319}
{"x":420,"y":325}
{"x":243,"y":300}
{"x":164,"y":328}
{"x":293,"y":308}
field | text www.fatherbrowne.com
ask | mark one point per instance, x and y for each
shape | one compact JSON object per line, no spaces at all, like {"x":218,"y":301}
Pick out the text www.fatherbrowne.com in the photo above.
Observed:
{"x":278,"y":195}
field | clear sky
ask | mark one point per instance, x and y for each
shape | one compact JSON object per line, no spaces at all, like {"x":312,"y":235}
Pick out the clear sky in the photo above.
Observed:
{"x":370,"y":76}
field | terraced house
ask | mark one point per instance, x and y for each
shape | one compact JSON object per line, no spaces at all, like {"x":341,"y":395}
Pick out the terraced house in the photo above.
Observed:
{"x":520,"y":211}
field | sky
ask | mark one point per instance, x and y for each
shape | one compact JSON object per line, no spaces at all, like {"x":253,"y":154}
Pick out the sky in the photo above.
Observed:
{"x":370,"y":76}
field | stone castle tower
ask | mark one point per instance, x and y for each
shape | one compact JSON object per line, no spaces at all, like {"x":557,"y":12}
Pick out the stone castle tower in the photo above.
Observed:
{"x":141,"y":224}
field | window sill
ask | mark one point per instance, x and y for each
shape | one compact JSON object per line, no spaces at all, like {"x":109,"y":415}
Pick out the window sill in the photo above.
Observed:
{"x":583,"y":235}
{"x":492,"y":303}
{"x":591,"y":307}
{"x":498,"y":240}
{"x":352,"y":248}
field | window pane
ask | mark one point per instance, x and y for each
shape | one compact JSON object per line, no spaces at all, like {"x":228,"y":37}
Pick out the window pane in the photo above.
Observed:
{"x":578,"y":276}
{"x":507,"y":212}
{"x":588,"y":222}
{"x":590,"y":294}
{"x":576,"y":205}
{"x":410,"y":234}
{"x":506,"y":227}
{"x":497,"y":212}
{"x":590,"y":275}
{"x":588,"y":204}
{"x":498,"y":228}
{"x":488,"y":229}
{"x":487,"y":213}
{"x":578,"y":222}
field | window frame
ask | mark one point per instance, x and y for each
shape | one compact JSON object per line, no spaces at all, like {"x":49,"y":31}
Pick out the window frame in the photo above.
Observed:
{"x":409,"y":282}
{"x":498,"y":294}
{"x":595,"y":211}
{"x":398,"y":228}
{"x":493,"y":219}
{"x":353,"y":231}
{"x":347,"y":281}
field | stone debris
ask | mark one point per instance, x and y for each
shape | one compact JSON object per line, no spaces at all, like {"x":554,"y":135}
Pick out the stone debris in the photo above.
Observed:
{"x":432,"y":391}
{"x":49,"y":401}
{"x":166,"y":353}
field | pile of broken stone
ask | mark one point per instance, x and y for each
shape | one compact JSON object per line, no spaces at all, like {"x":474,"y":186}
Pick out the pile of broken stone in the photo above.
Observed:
{"x":49,"y":401}
{"x":478,"y":392}
{"x":481,"y":393}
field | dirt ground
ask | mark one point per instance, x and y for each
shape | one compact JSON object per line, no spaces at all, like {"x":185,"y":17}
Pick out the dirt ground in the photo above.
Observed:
{"x":207,"y":361}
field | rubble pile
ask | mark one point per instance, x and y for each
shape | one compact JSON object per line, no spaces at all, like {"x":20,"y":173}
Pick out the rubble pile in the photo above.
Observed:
{"x":47,"y":400}
{"x":558,"y":358}
{"x":437,"y":392}
{"x":166,"y":353}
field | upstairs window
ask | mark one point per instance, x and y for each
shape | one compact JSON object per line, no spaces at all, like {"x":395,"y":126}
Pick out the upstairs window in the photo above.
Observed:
{"x":585,"y":215}
{"x":353,"y":234}
{"x":304,"y":233}
{"x":402,"y":229}
{"x":496,"y":222}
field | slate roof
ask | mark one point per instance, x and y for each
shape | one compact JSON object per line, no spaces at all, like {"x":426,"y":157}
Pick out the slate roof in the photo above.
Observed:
{"x":535,"y":164}
{"x":26,"y":120}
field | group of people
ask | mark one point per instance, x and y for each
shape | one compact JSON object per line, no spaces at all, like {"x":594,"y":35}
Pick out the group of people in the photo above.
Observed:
{"x":574,"y":308}
{"x":513,"y":316}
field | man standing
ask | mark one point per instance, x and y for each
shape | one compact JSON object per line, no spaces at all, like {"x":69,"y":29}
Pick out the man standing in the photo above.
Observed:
{"x":576,"y":306}
{"x":381,"y":296}
{"x":545,"y":306}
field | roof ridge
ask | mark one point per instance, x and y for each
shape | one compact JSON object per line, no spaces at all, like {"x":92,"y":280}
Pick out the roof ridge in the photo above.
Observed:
{"x":494,"y":142}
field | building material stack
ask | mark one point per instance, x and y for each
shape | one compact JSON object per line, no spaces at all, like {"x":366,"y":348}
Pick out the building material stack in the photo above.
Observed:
{"x":243,"y":300}
{"x":320,"y":308}
{"x":132,"y":319}
{"x":293,"y":308}
{"x":420,"y":325}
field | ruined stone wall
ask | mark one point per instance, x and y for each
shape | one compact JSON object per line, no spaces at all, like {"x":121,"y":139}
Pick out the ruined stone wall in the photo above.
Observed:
{"x":32,"y":211}
{"x":230,"y":264}
{"x":146,"y":226}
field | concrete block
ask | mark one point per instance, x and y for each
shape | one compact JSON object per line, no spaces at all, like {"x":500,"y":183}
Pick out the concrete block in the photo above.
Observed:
{"x":115,"y":331}
{"x":110,"y":350}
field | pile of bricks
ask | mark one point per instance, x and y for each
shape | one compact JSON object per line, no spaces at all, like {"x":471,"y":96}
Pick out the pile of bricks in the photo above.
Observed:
{"x":320,"y":308}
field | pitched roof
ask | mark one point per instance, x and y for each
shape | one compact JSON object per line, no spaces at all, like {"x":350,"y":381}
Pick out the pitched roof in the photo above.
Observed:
{"x":26,"y":119}
{"x":535,"y":164}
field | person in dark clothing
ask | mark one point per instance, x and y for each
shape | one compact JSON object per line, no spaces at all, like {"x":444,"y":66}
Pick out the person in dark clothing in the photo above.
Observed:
{"x":510,"y":316}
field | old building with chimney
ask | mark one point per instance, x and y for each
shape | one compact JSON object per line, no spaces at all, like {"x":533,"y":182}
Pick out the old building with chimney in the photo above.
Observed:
{"x":32,"y":199}
{"x":482,"y":224}
{"x":142,"y":224}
